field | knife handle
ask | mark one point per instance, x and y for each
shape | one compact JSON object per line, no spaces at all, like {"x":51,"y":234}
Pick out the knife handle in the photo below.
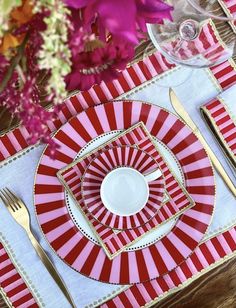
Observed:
{"x":218,"y":166}
{"x":50,"y":267}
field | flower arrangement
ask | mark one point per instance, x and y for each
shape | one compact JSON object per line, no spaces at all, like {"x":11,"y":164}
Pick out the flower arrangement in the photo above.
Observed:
{"x":51,"y":47}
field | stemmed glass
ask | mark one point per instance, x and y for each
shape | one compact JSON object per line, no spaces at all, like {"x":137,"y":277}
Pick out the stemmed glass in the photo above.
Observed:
{"x":193,"y":38}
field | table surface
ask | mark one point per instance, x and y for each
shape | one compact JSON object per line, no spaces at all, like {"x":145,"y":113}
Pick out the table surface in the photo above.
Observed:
{"x":215,"y":289}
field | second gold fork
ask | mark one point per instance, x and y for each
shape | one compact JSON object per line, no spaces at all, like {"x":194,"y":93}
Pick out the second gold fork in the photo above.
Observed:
{"x":20,"y":213}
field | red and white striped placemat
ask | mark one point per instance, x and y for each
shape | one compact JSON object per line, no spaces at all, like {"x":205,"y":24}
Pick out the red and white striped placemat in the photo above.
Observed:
{"x":223,"y":126}
{"x":229,"y":7}
{"x":13,"y":287}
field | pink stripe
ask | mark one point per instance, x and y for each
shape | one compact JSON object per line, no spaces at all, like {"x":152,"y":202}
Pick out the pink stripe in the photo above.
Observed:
{"x":57,"y":232}
{"x":118,"y":86}
{"x":224,"y":244}
{"x":3,"y":150}
{"x":167,"y":259}
{"x":70,"y":107}
{"x":27,"y":304}
{"x":5,"y":264}
{"x":182,"y":248}
{"x":195,"y":234}
{"x":93,"y":95}
{"x":201,"y":258}
{"x":150,"y":264}
{"x":98,"y":265}
{"x":139,"y":73}
{"x":85,"y":121}
{"x":46,"y":179}
{"x":213,"y":251}
{"x":82,"y":101}
{"x":7,"y":275}
{"x":19,"y":295}
{"x":45,"y":198}
{"x":128,"y":79}
{"x":227,"y":76}
{"x":136,"y":111}
{"x":47,"y":161}
{"x":13,"y":285}
{"x":115,"y":275}
{"x":106,"y":91}
{"x":118,"y":109}
{"x":14,"y":141}
{"x":69,"y":245}
{"x":104,"y":119}
{"x":48,"y":216}
{"x":81,"y":259}
{"x":133,"y":270}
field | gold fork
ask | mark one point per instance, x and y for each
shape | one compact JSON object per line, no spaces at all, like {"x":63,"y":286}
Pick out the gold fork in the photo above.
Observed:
{"x":20,"y":213}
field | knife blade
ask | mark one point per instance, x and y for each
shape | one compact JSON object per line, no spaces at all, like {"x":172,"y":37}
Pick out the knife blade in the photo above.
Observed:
{"x":179,"y":108}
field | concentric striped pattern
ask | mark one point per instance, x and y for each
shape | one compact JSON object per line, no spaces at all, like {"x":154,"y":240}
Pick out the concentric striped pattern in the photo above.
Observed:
{"x":114,"y":243}
{"x":207,"y":44}
{"x":12,"y":284}
{"x":131,"y":266}
{"x":104,"y":163}
{"x":217,"y":113}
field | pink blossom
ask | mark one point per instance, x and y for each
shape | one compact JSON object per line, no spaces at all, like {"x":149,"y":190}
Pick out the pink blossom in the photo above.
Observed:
{"x":102,"y":64}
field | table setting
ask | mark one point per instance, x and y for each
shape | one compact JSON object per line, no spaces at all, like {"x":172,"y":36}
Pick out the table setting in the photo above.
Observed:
{"x":124,"y":192}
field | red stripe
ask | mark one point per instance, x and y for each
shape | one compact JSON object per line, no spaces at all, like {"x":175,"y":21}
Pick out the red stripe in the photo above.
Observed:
{"x":127,"y":111}
{"x":19,"y":137}
{"x":53,"y":224}
{"x":134,"y":76}
{"x":22,"y":300}
{"x":124,"y":273}
{"x":8,"y":145}
{"x":158,"y":259}
{"x":207,"y":254}
{"x":63,"y":239}
{"x":49,"y":206}
{"x":95,"y":121}
{"x":185,"y":238}
{"x":144,"y":113}
{"x":159,"y":122}
{"x":230,"y":241}
{"x":44,"y":189}
{"x":88,"y":265}
{"x":100,"y":93}
{"x":142,"y":266}
{"x":76,"y":104}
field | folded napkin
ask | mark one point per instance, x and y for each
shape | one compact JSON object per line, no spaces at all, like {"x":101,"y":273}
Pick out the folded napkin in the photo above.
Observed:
{"x":229,"y":7}
{"x":220,"y":115}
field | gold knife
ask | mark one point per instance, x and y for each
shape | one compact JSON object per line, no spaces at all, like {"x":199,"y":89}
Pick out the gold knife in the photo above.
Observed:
{"x":178,"y":107}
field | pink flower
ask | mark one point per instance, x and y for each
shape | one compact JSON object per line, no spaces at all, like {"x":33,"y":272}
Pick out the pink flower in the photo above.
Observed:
{"x":102,"y":64}
{"x":121,"y":17}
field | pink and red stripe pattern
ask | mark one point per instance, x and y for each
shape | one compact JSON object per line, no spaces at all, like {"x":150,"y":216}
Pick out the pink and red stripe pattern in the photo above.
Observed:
{"x":205,"y":255}
{"x":158,"y":258}
{"x":17,"y":139}
{"x":104,"y":163}
{"x":179,"y":201}
{"x":217,"y":113}
{"x":13,"y":285}
{"x":229,"y":6}
{"x":206,"y":44}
